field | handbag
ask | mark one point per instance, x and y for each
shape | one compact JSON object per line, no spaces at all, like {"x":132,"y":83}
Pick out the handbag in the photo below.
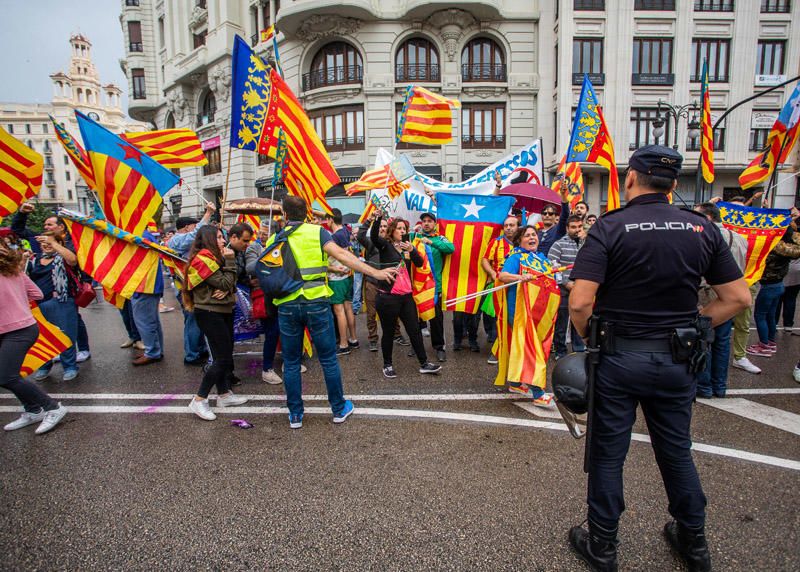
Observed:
{"x":84,"y":293}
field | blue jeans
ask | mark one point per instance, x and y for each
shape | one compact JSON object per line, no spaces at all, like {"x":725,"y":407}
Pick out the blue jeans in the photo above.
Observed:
{"x":194,"y":344}
{"x":272,"y":334}
{"x":293,"y":318}
{"x":358,"y":281}
{"x":145,"y":315}
{"x":65,"y":316}
{"x":766,"y":307}
{"x":714,"y":380}
{"x":130,"y":326}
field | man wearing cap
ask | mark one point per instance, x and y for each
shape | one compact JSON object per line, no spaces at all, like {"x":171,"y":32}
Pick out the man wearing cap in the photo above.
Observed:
{"x":640,"y":268}
{"x":437,"y":248}
{"x":194,"y":347}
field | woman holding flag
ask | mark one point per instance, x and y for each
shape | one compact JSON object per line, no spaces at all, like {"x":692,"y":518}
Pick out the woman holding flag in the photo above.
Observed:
{"x":395,"y":300}
{"x":210,"y":293}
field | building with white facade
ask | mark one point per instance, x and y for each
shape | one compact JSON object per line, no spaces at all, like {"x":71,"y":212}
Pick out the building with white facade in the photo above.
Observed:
{"x":78,"y":88}
{"x":640,"y":52}
{"x":349,"y":63}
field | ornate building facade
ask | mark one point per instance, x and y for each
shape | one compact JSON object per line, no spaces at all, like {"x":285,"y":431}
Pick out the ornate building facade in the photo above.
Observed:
{"x":78,"y":88}
{"x":349,"y":63}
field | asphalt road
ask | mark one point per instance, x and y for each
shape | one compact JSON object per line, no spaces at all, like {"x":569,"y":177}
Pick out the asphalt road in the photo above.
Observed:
{"x":430,"y":473}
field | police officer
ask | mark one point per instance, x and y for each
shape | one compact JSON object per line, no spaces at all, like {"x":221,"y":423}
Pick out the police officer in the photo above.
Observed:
{"x":640,"y":268}
{"x":308,"y":307}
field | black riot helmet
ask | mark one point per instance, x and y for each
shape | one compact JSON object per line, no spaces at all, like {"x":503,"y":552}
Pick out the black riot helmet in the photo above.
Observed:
{"x":570,"y":381}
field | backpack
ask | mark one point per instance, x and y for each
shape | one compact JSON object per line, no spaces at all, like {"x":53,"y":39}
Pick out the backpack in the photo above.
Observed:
{"x":277,"y":270}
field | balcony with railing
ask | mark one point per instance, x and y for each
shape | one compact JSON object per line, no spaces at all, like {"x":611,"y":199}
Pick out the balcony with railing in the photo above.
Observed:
{"x":496,"y":141}
{"x":417,"y":72}
{"x":483,"y":72}
{"x":342,"y":75}
{"x":595,"y":78}
{"x":776,"y":6}
{"x":589,"y":5}
{"x":344,"y":144}
{"x":713,"y":5}
{"x":655,"y":5}
{"x":718,"y":78}
{"x":205,"y":118}
{"x":135,"y":47}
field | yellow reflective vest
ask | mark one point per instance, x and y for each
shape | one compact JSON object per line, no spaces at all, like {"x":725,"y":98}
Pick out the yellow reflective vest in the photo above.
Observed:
{"x":312,"y":262}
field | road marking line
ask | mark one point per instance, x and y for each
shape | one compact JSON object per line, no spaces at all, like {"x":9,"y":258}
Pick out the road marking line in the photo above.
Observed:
{"x":757,"y":412}
{"x":775,"y":391}
{"x":538,"y":411}
{"x":423,"y":414}
{"x":281,"y":397}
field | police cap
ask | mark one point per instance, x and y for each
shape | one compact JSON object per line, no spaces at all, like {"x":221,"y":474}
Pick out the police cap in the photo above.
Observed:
{"x":656,"y":160}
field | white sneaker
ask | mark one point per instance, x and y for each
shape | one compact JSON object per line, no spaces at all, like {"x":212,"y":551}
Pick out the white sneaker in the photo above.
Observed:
{"x":82,"y":356}
{"x":426,"y":333}
{"x":51,"y":419}
{"x":303,"y":368}
{"x":795,"y":374}
{"x":492,"y":360}
{"x":201,"y":409}
{"x":746,"y":365}
{"x":230,"y":400}
{"x":127,"y":344}
{"x":27,"y":419}
{"x":138,"y":345}
{"x":271,"y":377}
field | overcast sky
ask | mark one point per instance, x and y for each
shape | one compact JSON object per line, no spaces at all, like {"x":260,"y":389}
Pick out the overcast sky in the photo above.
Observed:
{"x":34,"y":41}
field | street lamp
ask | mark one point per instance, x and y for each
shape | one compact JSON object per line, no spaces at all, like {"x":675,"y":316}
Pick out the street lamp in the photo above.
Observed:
{"x":676,"y":112}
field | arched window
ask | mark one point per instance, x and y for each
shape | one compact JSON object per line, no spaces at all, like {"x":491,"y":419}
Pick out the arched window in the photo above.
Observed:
{"x":169,"y":123}
{"x":482,"y":60}
{"x":207,"y":110}
{"x":337,"y":63}
{"x":80,"y":96}
{"x":417,"y":60}
{"x":89,"y":96}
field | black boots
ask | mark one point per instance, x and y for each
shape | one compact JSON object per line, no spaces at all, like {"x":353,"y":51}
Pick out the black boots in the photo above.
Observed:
{"x":690,"y":545}
{"x":597,"y":547}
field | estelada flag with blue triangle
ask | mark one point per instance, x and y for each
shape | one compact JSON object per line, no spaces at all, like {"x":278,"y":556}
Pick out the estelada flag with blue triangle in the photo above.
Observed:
{"x":470,"y":222}
{"x":129,"y":184}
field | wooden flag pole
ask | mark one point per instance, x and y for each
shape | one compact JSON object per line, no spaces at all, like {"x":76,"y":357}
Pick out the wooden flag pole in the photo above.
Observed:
{"x":227,"y":180}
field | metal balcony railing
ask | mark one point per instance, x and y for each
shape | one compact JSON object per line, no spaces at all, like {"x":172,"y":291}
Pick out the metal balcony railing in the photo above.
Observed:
{"x":131,"y":2}
{"x":776,"y":6}
{"x":713,"y":5}
{"x":135,"y":47}
{"x":417,"y":72}
{"x":205,"y":118}
{"x":592,"y":5}
{"x":344,"y":144}
{"x":657,"y":5}
{"x":483,"y":141}
{"x":719,"y":78}
{"x":341,"y":75}
{"x":483,"y":72}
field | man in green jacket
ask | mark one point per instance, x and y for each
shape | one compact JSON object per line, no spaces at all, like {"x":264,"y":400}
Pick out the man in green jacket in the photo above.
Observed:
{"x":438,"y":247}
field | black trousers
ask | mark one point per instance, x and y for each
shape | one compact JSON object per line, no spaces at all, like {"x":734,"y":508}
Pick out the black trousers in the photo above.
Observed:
{"x":217,"y":327}
{"x":436,"y":326}
{"x":13,"y":347}
{"x":464,"y":323}
{"x":390,"y":308}
{"x":787,"y":305}
{"x":665,"y":390}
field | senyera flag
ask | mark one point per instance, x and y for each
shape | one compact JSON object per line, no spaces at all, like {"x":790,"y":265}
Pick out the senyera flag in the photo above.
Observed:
{"x":591,"y":142}
{"x":172,"y":148}
{"x":20,"y":173}
{"x":50,"y":343}
{"x":253,"y":221}
{"x":706,"y":130}
{"x":201,"y":267}
{"x":130,"y":184}
{"x":762,"y":228}
{"x":470,"y":222}
{"x":426,"y":117}
{"x":569,"y":178}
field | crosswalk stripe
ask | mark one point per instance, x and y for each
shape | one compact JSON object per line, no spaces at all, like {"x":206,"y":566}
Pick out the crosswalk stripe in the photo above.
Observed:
{"x":758,"y":412}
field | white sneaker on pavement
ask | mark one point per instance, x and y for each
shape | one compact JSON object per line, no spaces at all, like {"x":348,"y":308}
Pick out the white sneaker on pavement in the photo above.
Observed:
{"x":127,"y":344}
{"x":795,"y":374}
{"x":51,"y":419}
{"x":201,"y":409}
{"x":271,"y":377}
{"x":746,"y":365}
{"x":230,"y":400}
{"x":24,"y":420}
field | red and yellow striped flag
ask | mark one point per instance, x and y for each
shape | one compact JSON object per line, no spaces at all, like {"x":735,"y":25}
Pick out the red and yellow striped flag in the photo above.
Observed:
{"x":50,"y":343}
{"x":381,"y":178}
{"x":253,"y":221}
{"x":201,"y":267}
{"x":502,"y":345}
{"x":308,"y":347}
{"x":706,"y":131}
{"x":172,"y":148}
{"x":569,"y":177}
{"x":426,"y":117}
{"x":76,"y":153}
{"x":113,"y":298}
{"x":20,"y":173}
{"x":423,"y":284}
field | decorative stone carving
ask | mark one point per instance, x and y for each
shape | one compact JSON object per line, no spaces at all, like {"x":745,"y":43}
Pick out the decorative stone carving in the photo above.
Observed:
{"x":484,"y":92}
{"x":484,"y":153}
{"x":177,"y":105}
{"x":219,"y":81}
{"x":198,"y":17}
{"x":319,"y":26}
{"x":332,"y":95}
{"x":451,"y":24}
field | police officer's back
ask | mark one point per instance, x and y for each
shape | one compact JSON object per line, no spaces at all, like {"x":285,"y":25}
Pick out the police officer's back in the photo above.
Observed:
{"x":641,"y":268}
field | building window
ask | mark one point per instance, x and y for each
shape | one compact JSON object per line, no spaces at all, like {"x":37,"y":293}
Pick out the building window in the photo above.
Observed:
{"x":769,"y":58}
{"x":417,"y":60}
{"x":47,"y":146}
{"x":135,"y":37}
{"x":161,"y":32}
{"x":200,"y":4}
{"x":659,"y":5}
{"x":641,"y":128}
{"x":758,"y":139}
{"x":131,"y":2}
{"x":207,"y":110}
{"x":716,"y":52}
{"x":340,"y":128}
{"x":483,"y":126}
{"x":67,"y":175}
{"x":652,"y":61}
{"x":713,"y":5}
{"x":199,"y":40}
{"x":44,"y":128}
{"x":772,"y":6}
{"x":52,"y":189}
{"x":28,"y":128}
{"x":169,"y":122}
{"x":589,"y":5}
{"x":264,"y":160}
{"x":719,"y":139}
{"x":587,"y":58}
{"x":482,"y":60}
{"x":214,"y":164}
{"x":137,"y":76}
{"x":10,"y":128}
{"x":66,"y":160}
{"x":337,"y":63}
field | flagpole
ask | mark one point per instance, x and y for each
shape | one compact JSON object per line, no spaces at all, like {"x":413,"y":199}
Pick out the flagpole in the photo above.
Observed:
{"x":227,"y":180}
{"x":769,"y":198}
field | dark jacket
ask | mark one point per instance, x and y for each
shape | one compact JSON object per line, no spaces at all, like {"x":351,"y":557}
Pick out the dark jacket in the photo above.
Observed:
{"x":388,"y":255}
{"x":371,"y":254}
{"x":777,"y":263}
{"x":223,"y":279}
{"x":548,"y":238}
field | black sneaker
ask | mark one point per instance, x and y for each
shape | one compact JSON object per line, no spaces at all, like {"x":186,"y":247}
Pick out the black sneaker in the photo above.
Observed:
{"x":474,"y":348}
{"x":353,"y":345}
{"x":457,"y":347}
{"x":411,"y":353}
{"x":388,"y":372}
{"x":430,"y":368}
{"x":441,"y":355}
{"x":373,"y":346}
{"x":402,"y":341}
{"x":343,"y":351}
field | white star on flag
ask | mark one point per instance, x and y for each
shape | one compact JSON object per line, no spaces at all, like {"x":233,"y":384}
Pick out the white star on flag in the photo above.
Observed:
{"x":473,"y":209}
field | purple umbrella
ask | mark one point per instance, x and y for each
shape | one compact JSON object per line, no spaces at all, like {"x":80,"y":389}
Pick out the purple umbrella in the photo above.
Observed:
{"x":532,"y":197}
